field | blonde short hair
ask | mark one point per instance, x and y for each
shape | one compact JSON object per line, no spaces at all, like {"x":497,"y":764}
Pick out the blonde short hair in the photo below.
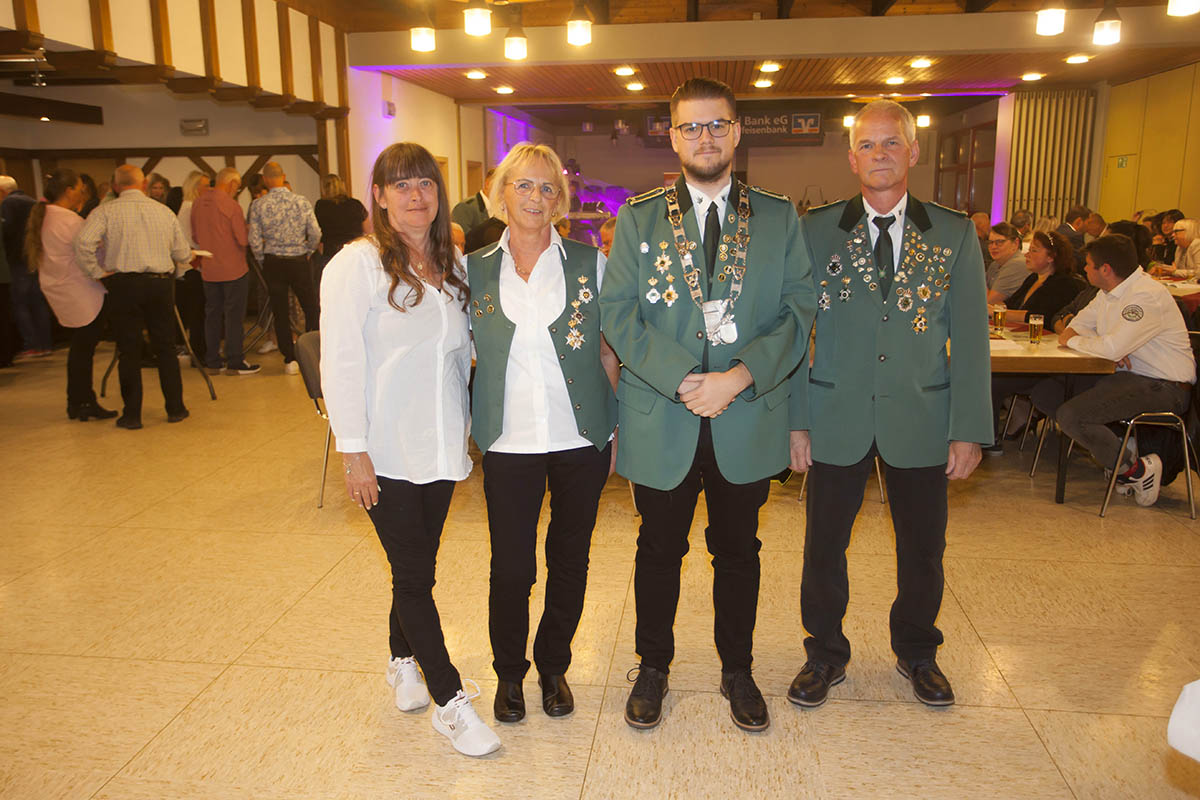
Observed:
{"x":510,"y":168}
{"x":193,"y":184}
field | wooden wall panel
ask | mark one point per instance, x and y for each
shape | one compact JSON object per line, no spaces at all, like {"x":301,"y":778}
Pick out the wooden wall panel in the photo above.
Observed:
{"x":1160,"y":175}
{"x":1189,"y":193}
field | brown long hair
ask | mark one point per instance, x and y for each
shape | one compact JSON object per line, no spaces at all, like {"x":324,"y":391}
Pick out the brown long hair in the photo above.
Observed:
{"x":53,"y":185}
{"x":410,"y":160}
{"x":1059,"y":249}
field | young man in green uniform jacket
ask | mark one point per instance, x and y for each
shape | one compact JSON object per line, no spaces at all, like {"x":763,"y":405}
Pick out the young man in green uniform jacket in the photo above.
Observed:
{"x":895,"y":278}
{"x":707,"y":301}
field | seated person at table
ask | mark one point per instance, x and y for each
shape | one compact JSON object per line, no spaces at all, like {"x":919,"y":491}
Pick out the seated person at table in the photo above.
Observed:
{"x":1059,"y":322}
{"x":1134,"y":321}
{"x":1162,"y":248}
{"x":1006,"y":272}
{"x":1187,"y":250}
{"x":1051,"y":282}
{"x":1139,"y":234}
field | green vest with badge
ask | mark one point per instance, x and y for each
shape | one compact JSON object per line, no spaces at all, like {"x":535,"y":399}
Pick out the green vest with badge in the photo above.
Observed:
{"x":881,"y":370}
{"x":665,"y":318}
{"x":576,"y":337}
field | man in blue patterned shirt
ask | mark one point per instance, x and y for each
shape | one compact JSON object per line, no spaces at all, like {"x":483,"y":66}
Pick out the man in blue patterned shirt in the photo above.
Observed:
{"x":283,"y":232}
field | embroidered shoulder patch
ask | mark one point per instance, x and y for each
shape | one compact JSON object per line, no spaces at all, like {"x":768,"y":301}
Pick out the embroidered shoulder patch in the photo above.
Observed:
{"x":633,"y":201}
{"x":1132,"y":313}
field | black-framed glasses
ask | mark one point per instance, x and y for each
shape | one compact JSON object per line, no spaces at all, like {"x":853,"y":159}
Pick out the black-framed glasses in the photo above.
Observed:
{"x":719,"y":128}
{"x":524,"y":187}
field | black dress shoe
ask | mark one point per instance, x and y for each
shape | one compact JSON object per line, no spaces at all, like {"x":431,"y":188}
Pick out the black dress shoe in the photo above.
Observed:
{"x":510,"y":702}
{"x":178,"y":416}
{"x":746,"y":704}
{"x":643,"y":709}
{"x":811,"y":687}
{"x":129,"y":423}
{"x":557,"y":700}
{"x":85,"y":411}
{"x":929,"y":684}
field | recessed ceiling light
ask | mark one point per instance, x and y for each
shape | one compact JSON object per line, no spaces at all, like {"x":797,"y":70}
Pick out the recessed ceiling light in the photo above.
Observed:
{"x":920,"y":63}
{"x":922,"y":120}
{"x":895,"y":94}
{"x":848,"y":121}
{"x":769,"y":66}
{"x":762,"y":83}
{"x":1032,"y":76}
{"x":624,"y":72}
{"x":1182,"y":8}
{"x":43,"y":119}
{"x":635,"y":86}
{"x":925,"y":94}
{"x":476,"y":75}
{"x":895,"y":80}
{"x":504,"y":90}
{"x":1079,"y":59}
{"x":851,"y":95}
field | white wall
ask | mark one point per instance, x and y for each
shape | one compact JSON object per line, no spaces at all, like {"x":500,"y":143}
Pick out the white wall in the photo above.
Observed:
{"x":187,"y":45}
{"x":66,"y":21}
{"x":133,"y":34}
{"x":231,"y":41}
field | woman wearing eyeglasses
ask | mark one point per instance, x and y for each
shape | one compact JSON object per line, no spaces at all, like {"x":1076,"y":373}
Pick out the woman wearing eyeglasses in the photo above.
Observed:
{"x":543,"y":413}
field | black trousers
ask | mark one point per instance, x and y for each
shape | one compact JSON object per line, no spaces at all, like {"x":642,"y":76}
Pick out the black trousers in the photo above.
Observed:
{"x":917,"y":498}
{"x":79,"y":359}
{"x":732,"y":539}
{"x":408,"y":520}
{"x":514,"y":485}
{"x":189,"y":299}
{"x":295,"y":273}
{"x":136,"y":299}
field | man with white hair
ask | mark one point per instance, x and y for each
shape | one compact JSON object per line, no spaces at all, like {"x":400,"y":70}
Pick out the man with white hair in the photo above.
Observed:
{"x":141,"y":243}
{"x":895,"y":278}
{"x":219,"y":228}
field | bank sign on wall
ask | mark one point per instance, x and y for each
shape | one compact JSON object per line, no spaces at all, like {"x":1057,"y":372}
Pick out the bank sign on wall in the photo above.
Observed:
{"x":782,"y":126}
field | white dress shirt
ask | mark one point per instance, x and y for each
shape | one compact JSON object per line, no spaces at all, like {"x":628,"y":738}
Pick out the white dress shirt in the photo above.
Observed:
{"x":538,"y":416}
{"x":701,"y":202}
{"x":395,"y":383}
{"x":1138,"y":319}
{"x":896,"y":231}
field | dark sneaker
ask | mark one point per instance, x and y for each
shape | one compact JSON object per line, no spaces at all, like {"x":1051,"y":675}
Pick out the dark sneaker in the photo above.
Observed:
{"x":242,"y":369}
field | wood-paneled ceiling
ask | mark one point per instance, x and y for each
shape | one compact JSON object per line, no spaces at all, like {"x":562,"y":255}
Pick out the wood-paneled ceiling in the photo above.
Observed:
{"x":805,"y":77}
{"x":384,"y":15}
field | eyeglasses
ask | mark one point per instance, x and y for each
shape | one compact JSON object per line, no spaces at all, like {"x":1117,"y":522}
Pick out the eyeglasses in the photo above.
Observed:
{"x":525,"y":187}
{"x":719,"y":128}
{"x":996,"y":241}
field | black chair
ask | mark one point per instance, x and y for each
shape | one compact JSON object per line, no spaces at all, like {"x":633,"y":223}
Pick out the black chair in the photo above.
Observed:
{"x":308,"y":356}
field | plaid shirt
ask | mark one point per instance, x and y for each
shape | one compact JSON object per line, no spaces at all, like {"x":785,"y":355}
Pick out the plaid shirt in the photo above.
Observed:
{"x":282,"y":223}
{"x":132,"y":234}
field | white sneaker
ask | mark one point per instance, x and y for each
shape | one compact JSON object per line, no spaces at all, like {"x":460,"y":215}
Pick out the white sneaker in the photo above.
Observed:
{"x":411,"y":694}
{"x":291,"y":367}
{"x":267,"y":347}
{"x":459,"y":723}
{"x":1145,"y":488}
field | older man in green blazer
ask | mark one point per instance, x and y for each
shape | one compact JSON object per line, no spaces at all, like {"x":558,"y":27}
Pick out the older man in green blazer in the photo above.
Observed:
{"x":895,"y":279}
{"x":707,"y":301}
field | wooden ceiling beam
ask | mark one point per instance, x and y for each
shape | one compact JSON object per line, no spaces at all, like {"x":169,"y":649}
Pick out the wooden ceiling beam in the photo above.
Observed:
{"x":20,"y":41}
{"x":34,"y":107}
{"x":160,"y":32}
{"x":82,"y":60}
{"x":975,"y":6}
{"x":880,"y":7}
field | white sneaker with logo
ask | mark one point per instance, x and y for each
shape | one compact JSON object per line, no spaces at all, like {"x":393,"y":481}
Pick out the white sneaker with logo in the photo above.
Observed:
{"x":459,"y":723}
{"x":411,"y":694}
{"x":1145,"y":488}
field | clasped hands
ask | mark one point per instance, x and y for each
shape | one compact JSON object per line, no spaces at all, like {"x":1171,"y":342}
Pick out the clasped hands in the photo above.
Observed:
{"x":708,"y":394}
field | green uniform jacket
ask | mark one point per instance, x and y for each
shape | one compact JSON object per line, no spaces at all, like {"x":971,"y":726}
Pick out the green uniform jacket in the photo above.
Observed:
{"x":881,"y":371}
{"x":576,"y":337}
{"x":659,"y":344}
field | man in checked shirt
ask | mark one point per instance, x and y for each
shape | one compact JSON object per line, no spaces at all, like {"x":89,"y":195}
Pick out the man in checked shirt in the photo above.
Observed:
{"x":283,"y":232}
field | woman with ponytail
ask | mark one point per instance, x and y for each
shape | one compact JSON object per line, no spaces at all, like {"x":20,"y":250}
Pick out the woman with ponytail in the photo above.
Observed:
{"x":76,"y":299}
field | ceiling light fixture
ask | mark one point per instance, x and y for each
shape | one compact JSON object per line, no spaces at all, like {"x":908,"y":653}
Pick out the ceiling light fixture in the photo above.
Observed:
{"x":1182,"y":8}
{"x":477,"y":18}
{"x":851,"y":95}
{"x":1051,"y":19}
{"x":624,"y":72}
{"x":923,"y":120}
{"x":579,"y":25}
{"x":1107,"y":30}
{"x":504,"y":90}
{"x":769,"y":66}
{"x":43,"y":119}
{"x":476,"y":75}
{"x":516,"y":46}
{"x":635,"y":86}
{"x":848,"y":121}
{"x":895,"y":80}
{"x":1079,"y":59}
{"x":423,"y":39}
{"x":920,"y":63}
{"x":1032,"y":76}
{"x":763,"y":83}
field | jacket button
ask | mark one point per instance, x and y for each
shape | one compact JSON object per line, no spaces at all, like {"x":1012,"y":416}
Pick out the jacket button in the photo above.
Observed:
{"x":883,"y":358}
{"x":699,"y":334}
{"x":554,"y":330}
{"x":561,"y":356}
{"x":584,"y":431}
{"x":577,"y":406}
{"x":885,"y":316}
{"x":570,"y":380}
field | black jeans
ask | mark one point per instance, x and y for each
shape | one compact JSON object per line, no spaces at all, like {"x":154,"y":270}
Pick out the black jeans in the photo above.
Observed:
{"x":514,"y":485}
{"x":224,"y":310}
{"x":79,"y":359}
{"x":732,"y":539}
{"x":408,"y":520}
{"x":29,"y":309}
{"x":295,"y":273}
{"x":917,"y":498}
{"x":136,"y":299}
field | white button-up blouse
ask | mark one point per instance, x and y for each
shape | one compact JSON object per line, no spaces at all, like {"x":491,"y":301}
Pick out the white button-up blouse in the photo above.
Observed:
{"x":395,"y":382}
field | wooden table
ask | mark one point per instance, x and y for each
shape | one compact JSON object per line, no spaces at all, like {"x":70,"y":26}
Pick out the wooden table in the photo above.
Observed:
{"x":1187,"y":291}
{"x":1014,"y":353}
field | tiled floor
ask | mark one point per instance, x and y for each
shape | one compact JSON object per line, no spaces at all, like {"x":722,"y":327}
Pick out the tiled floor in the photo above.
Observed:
{"x":179,"y":620}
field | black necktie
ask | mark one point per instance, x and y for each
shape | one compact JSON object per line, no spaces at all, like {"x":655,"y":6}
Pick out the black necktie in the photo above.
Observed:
{"x":712,"y":232}
{"x":885,"y":259}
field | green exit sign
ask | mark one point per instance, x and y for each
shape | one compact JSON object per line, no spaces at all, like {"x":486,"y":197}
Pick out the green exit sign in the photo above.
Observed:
{"x":1122,"y":162}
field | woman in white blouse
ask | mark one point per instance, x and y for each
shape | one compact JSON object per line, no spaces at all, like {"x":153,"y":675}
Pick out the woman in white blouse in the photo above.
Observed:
{"x":395,"y":355}
{"x":543,"y":413}
{"x":1187,"y":249}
